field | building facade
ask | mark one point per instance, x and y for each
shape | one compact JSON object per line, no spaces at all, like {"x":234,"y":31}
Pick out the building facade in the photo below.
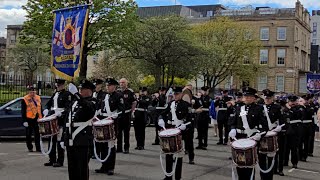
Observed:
{"x":285,"y":53}
{"x":3,"y":43}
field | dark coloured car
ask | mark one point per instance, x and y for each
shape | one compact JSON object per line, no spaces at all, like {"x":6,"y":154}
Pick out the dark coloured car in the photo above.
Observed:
{"x":11,"y":120}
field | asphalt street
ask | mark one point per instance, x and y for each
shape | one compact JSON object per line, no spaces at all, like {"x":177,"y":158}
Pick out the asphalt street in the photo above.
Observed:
{"x":18,"y":164}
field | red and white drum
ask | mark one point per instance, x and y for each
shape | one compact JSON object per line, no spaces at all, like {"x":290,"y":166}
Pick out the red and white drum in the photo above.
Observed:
{"x":48,"y":126}
{"x":244,"y":152}
{"x":170,"y":140}
{"x":269,"y":143}
{"x":103,"y":131}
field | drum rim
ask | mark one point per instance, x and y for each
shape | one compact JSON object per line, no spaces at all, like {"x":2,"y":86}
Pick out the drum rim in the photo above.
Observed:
{"x":179,"y":132}
{"x":49,"y":118}
{"x":270,"y":135}
{"x":245,"y":148}
{"x":109,"y":123}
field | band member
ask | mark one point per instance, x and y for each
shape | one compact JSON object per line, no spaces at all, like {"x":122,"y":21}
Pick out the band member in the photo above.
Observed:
{"x":78,"y":136}
{"x":306,"y":128}
{"x":274,"y":118}
{"x":58,"y":105}
{"x":315,"y":107}
{"x":141,"y":117}
{"x":125,"y":122}
{"x":204,"y":119}
{"x":111,"y":108}
{"x":31,"y":112}
{"x":247,"y":121}
{"x":178,"y":111}
{"x":293,"y":113}
{"x":222,"y":117}
{"x":98,"y":94}
{"x":159,"y":103}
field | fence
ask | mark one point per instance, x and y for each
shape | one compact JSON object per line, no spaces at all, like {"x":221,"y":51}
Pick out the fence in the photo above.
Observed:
{"x":12,"y":87}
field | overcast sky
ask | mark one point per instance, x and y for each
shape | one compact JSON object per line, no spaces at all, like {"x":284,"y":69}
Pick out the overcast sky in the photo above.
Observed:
{"x":11,"y":12}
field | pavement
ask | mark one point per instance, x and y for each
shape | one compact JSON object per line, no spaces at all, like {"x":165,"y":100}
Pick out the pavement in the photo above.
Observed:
{"x":18,"y":164}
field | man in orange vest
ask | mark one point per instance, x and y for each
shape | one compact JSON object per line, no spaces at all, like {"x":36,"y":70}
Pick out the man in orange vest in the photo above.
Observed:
{"x":31,"y":112}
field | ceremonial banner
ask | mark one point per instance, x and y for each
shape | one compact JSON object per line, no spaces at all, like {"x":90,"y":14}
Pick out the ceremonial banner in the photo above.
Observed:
{"x":313,"y":83}
{"x":68,"y":35}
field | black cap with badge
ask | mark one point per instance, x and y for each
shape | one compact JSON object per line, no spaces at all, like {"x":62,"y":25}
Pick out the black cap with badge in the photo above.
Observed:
{"x":111,"y":81}
{"x":98,"y":81}
{"x":60,"y":81}
{"x":86,"y":84}
{"x":205,"y":88}
{"x":268,"y":93}
{"x":248,"y":91}
{"x":177,"y":90}
{"x":292,"y":98}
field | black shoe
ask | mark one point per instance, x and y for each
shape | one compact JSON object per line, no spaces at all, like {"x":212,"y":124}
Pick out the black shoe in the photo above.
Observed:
{"x":303,"y":159}
{"x":119,"y":150}
{"x":230,"y":158}
{"x":167,"y":178}
{"x":294,"y":166}
{"x":191,"y":162}
{"x":155,"y":143}
{"x":140,"y":148}
{"x":57,"y":164}
{"x":203,"y":148}
{"x":198,"y":147}
{"x":281,"y":173}
{"x":30,"y":150}
{"x":100,"y":171}
{"x":126,"y":151}
{"x":110,"y":172}
{"x":136,"y":148}
{"x":311,"y":155}
{"x":48,"y":164}
{"x":219,"y":143}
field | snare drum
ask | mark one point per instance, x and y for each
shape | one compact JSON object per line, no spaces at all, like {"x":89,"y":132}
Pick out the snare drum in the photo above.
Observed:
{"x":244,"y":152}
{"x":103,"y":131}
{"x":269,"y":143}
{"x":48,"y":126}
{"x":170,"y":140}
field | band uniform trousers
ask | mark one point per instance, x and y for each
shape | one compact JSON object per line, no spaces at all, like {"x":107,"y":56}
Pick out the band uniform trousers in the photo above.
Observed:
{"x":78,"y":162}
{"x":124,"y":130}
{"x":170,"y":160}
{"x":140,"y":127}
{"x":53,"y":154}
{"x":32,"y":128}
{"x":102,"y":149}
{"x":222,"y":119}
{"x":311,"y":142}
{"x":265,"y":163}
{"x":157,"y":127}
{"x":278,"y":165}
{"x":306,"y":132}
{"x":202,"y":128}
{"x":292,"y":145}
{"x":187,"y":136}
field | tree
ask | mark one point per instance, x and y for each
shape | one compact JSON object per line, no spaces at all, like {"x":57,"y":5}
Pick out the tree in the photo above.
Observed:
{"x":29,"y":57}
{"x":228,"y":49}
{"x":108,"y":19}
{"x":160,"y":44}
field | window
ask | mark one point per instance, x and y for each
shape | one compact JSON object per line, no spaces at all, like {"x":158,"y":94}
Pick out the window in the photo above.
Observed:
{"x":303,"y":84}
{"x":282,"y":33}
{"x":264,"y":56}
{"x":264,"y":33}
{"x":246,"y":60}
{"x":297,"y":34}
{"x":262,"y":83}
{"x":16,"y":106}
{"x":281,"y":56}
{"x":279,"y":83}
{"x":12,"y":39}
{"x":314,"y":34}
{"x":314,"y":41}
{"x":209,"y":13}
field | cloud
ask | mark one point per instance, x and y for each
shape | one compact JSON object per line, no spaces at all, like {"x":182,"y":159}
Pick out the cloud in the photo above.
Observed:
{"x":282,"y":3}
{"x":10,"y":17}
{"x":12,"y":3}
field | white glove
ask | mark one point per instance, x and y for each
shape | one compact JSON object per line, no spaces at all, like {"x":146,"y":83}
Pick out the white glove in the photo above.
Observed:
{"x":256,"y":137}
{"x":193,"y":110}
{"x":25,"y":124}
{"x":62,"y":145}
{"x":277,"y":129}
{"x":73,"y":89}
{"x":182,"y":127}
{"x":161,"y":123}
{"x":110,"y":144}
{"x":45,"y":112}
{"x":232,"y":133}
{"x":58,"y":113}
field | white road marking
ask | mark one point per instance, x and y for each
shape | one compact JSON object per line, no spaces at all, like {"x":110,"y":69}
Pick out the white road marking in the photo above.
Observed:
{"x":293,"y":169}
{"x":3,"y":154}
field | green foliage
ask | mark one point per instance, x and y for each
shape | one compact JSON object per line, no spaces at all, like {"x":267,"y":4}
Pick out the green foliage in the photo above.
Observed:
{"x":225,"y":45}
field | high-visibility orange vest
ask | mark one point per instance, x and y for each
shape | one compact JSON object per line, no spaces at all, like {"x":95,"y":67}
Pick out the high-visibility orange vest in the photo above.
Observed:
{"x":32,"y":110}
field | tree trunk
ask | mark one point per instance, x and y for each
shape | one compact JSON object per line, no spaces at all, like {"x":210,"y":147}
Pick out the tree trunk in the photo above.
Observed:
{"x":158,"y":76}
{"x":84,"y":62}
{"x":163,"y":75}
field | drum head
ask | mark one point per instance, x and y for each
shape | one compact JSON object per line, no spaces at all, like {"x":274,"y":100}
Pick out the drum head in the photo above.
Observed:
{"x":243,"y":143}
{"x":271,"y":133}
{"x":169,"y":132}
{"x":49,"y":118}
{"x":103,"y":122}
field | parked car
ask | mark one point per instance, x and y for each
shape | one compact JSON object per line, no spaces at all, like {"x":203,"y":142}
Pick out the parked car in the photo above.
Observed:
{"x":11,"y":120}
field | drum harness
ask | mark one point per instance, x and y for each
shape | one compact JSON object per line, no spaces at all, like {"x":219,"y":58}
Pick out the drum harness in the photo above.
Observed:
{"x":177,"y":155}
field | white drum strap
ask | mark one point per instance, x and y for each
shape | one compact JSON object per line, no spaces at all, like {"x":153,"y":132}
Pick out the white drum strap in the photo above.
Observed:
{"x":268,"y":170}
{"x":173,"y":169}
{"x":55,"y":100}
{"x":106,"y":104}
{"x":59,"y":135}
{"x":110,"y":146}
{"x":243,"y":115}
{"x":42,"y":147}
{"x":267,"y":115}
{"x":234,"y":177}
